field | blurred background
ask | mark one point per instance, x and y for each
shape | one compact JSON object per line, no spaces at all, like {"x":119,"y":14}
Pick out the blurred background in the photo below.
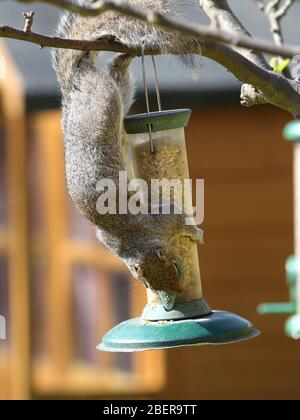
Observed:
{"x":60,"y":290}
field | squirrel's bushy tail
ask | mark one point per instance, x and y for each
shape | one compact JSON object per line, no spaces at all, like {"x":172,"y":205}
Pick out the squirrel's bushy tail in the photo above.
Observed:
{"x":129,"y":31}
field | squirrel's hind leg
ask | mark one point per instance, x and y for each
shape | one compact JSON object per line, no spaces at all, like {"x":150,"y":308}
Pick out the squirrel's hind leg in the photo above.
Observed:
{"x":119,"y":70}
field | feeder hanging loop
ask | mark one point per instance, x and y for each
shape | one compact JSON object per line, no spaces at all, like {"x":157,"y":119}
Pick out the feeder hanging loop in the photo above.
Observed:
{"x":150,"y":128}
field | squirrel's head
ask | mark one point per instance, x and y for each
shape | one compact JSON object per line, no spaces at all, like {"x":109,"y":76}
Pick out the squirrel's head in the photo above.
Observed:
{"x":159,"y":269}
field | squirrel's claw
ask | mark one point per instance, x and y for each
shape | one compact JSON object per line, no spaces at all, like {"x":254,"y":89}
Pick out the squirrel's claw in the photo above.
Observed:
{"x":195,"y":233}
{"x":199,"y":235}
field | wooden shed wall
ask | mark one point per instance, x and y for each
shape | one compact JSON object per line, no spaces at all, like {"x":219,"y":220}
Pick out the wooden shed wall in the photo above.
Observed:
{"x":247,"y":167}
{"x":248,"y":172}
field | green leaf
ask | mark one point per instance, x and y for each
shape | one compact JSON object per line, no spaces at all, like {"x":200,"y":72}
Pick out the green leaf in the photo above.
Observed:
{"x":279,"y":65}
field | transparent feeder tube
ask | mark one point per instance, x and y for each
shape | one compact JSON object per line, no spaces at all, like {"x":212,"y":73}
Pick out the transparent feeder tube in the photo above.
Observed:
{"x":168,"y":160}
{"x":165,"y":158}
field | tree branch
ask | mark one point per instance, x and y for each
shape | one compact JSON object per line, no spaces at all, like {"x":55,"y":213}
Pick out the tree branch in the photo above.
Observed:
{"x":228,"y":22}
{"x":172,"y":23}
{"x":275,"y":88}
{"x":275,"y":12}
{"x":86,"y":11}
{"x":250,"y":95}
{"x":45,"y":41}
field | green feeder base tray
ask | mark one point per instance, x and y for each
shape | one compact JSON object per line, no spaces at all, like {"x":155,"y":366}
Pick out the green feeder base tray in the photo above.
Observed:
{"x":139,"y":335}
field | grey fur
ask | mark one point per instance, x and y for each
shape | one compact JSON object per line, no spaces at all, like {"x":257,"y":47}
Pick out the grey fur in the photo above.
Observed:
{"x":94,"y":105}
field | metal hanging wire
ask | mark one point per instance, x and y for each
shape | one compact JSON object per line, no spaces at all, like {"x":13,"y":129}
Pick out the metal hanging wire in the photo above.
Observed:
{"x":147,"y":93}
{"x":147,"y":98}
{"x":156,"y":83}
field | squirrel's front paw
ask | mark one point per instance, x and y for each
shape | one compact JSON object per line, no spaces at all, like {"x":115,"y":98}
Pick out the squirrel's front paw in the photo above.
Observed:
{"x":199,"y":235}
{"x":106,"y":36}
{"x":195,"y":233}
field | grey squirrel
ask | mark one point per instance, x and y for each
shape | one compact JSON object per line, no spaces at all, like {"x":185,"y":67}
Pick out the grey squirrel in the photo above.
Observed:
{"x":94,"y":104}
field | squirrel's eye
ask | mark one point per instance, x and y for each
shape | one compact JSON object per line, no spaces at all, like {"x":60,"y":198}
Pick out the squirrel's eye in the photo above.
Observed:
{"x":138,"y":269}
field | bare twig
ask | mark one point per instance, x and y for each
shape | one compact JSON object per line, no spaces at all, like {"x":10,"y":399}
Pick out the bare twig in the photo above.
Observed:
{"x":73,"y":7}
{"x":250,"y":95}
{"x":29,"y":21}
{"x":260,"y":4}
{"x":230,"y":23}
{"x":271,"y":10}
{"x":45,"y":41}
{"x":275,"y":11}
{"x":282,"y":11}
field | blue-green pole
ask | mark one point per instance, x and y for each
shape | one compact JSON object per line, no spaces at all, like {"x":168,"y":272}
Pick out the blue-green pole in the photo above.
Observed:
{"x":292,"y":327}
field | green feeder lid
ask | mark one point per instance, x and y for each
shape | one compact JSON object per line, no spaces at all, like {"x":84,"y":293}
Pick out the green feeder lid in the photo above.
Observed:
{"x":292,"y":131}
{"x":217,"y":328}
{"x":159,"y":121}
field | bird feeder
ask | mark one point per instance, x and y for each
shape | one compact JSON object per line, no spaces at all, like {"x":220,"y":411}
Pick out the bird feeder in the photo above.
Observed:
{"x":292,"y":326}
{"x":170,"y":320}
{"x":158,"y":151}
